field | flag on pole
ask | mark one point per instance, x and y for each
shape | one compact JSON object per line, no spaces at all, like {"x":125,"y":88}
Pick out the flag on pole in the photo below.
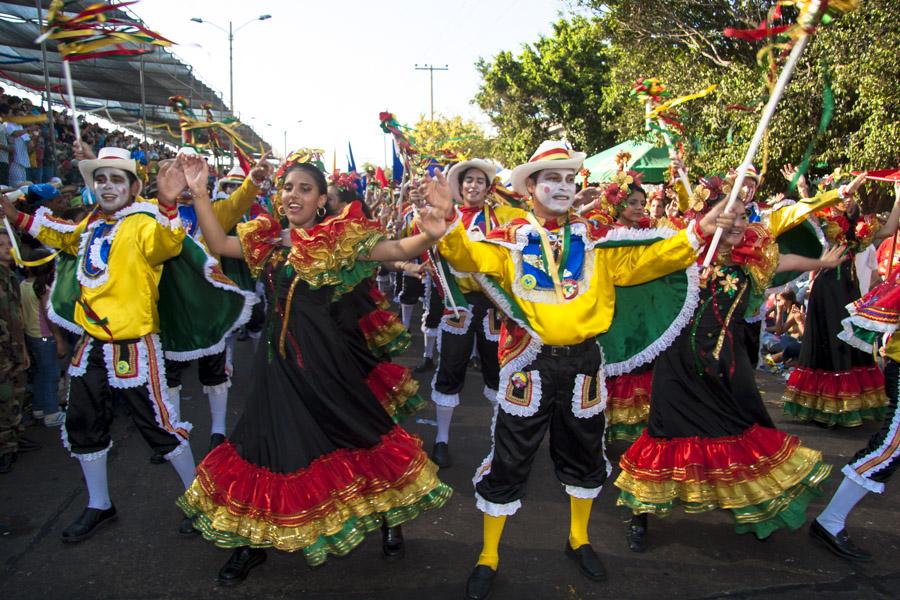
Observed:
{"x":351,"y":163}
{"x":397,"y":175}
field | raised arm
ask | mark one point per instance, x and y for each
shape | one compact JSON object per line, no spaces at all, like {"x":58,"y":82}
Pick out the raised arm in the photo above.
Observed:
{"x":230,"y":211}
{"x":890,"y":227}
{"x":196,"y":174}
{"x":43,"y":226}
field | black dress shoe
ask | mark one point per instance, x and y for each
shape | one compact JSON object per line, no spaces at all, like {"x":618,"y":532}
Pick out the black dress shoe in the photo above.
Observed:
{"x":239,"y":564}
{"x":186,"y":527}
{"x":26,"y":445}
{"x":215,"y":440}
{"x":588,"y":562}
{"x":6,"y":461}
{"x":440,"y":455}
{"x":158,"y":458}
{"x":478,"y":587}
{"x":392,"y":541}
{"x":86,"y":525}
{"x":425,"y":366}
{"x":840,"y":544}
{"x":637,"y":533}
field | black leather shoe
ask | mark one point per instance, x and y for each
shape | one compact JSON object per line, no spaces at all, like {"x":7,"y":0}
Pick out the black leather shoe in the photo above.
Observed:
{"x":86,"y":525}
{"x":588,"y":562}
{"x":478,"y":587}
{"x":637,"y":533}
{"x":425,"y":366}
{"x":6,"y":461}
{"x":215,"y":440}
{"x":158,"y":458}
{"x":839,"y":544}
{"x":392,"y":541}
{"x":186,"y":527}
{"x":239,"y":564}
{"x":440,"y":455}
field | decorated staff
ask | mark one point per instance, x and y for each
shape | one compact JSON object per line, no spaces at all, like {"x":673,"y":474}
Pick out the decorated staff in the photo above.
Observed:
{"x":811,"y":14}
{"x":89,"y":34}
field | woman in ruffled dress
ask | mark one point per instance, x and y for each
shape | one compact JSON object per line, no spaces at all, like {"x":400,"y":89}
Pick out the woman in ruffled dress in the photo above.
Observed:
{"x":710,"y":443}
{"x":834,"y":383}
{"x":315,"y":462}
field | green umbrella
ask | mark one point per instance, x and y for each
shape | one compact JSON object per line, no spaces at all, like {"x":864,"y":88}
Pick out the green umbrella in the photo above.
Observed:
{"x":646,"y":158}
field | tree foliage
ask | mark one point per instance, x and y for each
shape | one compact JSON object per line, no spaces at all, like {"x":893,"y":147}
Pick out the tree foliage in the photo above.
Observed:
{"x":553,"y":83}
{"x":681,"y":42}
{"x":454,"y":134}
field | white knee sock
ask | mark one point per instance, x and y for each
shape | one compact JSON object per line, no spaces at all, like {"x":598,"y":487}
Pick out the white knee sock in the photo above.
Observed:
{"x":218,"y":408}
{"x":834,"y":517}
{"x":175,"y":400}
{"x":443,"y":414}
{"x":430,"y":340}
{"x":97,"y":483}
{"x":406,"y":313}
{"x":183,"y":463}
{"x":229,"y":355}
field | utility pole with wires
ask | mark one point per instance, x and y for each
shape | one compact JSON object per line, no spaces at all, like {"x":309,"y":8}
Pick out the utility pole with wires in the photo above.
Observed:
{"x":431,"y":69}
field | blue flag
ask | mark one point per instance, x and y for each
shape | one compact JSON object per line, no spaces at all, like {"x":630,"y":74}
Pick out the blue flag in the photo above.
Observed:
{"x":351,"y":163}
{"x":397,"y":168}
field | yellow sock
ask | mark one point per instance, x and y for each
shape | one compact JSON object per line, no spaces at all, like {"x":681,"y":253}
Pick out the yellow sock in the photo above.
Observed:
{"x":490,"y":551}
{"x":581,"y":514}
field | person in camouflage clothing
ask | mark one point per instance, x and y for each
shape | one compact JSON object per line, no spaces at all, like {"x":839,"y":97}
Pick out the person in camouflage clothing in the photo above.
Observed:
{"x":13,"y":358}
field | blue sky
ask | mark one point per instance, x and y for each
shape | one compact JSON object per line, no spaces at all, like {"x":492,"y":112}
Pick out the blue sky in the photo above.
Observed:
{"x":335,"y":65}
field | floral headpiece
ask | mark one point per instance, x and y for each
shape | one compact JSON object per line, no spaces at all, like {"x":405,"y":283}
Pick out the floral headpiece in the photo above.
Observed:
{"x":623,"y":182}
{"x":832,"y":180}
{"x":302,"y":155}
{"x":344,"y":181}
{"x":710,"y":191}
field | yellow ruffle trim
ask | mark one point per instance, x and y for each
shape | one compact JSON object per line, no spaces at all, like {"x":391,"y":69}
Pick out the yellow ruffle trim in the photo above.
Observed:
{"x":700,"y":496}
{"x":628,"y":415}
{"x":835,"y":404}
{"x":265,"y":530}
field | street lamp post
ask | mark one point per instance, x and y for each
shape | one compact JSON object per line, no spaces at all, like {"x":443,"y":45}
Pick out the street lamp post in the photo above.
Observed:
{"x":230,"y":33}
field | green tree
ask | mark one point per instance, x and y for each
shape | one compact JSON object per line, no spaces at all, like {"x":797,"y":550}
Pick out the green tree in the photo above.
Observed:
{"x":552,"y":84}
{"x":453,"y":134}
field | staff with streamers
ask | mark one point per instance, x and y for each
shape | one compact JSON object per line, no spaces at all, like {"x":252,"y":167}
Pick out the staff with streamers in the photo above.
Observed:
{"x":89,"y":34}
{"x":811,"y":14}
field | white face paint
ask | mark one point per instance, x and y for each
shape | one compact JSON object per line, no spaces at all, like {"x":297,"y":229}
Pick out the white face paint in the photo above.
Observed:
{"x":555,"y":189}
{"x":112,"y":188}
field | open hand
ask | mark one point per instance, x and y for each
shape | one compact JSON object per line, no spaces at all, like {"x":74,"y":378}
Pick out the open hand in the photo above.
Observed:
{"x":850,"y":188}
{"x":432,"y":222}
{"x":262,"y":170}
{"x":834,"y":256}
{"x":8,"y":208}
{"x":586,"y":196}
{"x":719,"y":218}
{"x":196,"y":173}
{"x":170,"y":181}
{"x":437,"y":193}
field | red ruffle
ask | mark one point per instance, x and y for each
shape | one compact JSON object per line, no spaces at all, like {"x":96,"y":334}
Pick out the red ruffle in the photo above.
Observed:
{"x":377,"y":321}
{"x":308,"y":494}
{"x":724,"y":460}
{"x":629,"y":388}
{"x":378,"y":298}
{"x":830,"y":384}
{"x":386,"y":379}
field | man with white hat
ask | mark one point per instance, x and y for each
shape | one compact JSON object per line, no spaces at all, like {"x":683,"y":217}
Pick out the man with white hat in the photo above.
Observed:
{"x":119,"y":253}
{"x":554,"y":275}
{"x":469,"y":316}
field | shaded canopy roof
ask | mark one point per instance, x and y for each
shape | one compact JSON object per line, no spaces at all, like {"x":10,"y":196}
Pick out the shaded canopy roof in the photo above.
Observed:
{"x":112,"y":84}
{"x":646,"y":158}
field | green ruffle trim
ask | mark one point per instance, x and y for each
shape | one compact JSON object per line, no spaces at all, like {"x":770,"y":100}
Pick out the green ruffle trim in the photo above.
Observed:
{"x":624,"y":431}
{"x":787,"y":510}
{"x":349,"y":278}
{"x":395,"y":347}
{"x":338,"y":544}
{"x":853,"y":418}
{"x":412,"y":405}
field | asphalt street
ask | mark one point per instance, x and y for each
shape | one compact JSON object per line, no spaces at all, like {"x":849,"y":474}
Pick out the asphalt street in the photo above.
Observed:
{"x":142,"y":557}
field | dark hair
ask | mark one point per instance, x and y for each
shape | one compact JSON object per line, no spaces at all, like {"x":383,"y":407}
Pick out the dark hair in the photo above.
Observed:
{"x":43,"y":274}
{"x":313,"y":171}
{"x":633,"y":187}
{"x":789,"y":295}
{"x":462,"y":176}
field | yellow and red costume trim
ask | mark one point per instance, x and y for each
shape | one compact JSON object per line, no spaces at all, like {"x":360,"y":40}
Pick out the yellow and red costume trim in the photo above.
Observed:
{"x":836,"y":398}
{"x":326,"y":508}
{"x":396,"y":389}
{"x":384,"y":333}
{"x":628,"y":405}
{"x":764,"y":476}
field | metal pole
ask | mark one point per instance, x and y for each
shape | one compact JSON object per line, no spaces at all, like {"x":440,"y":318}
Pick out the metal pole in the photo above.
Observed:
{"x":52,"y":125}
{"x":431,"y":69}
{"x":231,"y":65}
{"x":143,"y":104}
